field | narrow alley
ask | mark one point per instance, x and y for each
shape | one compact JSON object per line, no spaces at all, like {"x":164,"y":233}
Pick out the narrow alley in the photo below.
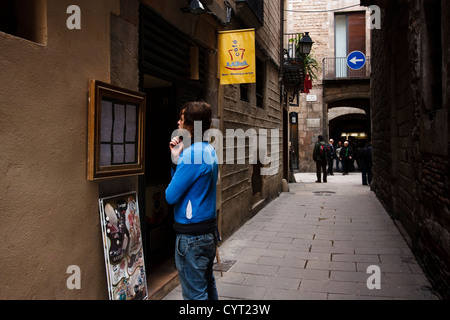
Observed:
{"x":316,"y":242}
{"x":94,"y":131}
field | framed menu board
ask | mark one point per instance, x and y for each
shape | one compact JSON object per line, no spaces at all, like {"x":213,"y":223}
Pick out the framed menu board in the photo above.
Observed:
{"x":116,"y":131}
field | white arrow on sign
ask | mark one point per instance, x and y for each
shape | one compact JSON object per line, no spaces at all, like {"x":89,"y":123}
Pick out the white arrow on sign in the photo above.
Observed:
{"x":355,"y":61}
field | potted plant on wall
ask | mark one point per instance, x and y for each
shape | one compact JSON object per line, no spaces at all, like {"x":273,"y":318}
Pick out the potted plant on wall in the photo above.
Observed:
{"x":311,"y":65}
{"x":299,"y":63}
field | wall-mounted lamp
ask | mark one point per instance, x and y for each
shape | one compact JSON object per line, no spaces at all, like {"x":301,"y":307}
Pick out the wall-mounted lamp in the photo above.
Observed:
{"x":196,"y":7}
{"x":293,"y":117}
{"x":305,"y":44}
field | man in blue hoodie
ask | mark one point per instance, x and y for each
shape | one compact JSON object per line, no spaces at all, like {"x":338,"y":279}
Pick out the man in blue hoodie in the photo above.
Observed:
{"x":192,"y":191}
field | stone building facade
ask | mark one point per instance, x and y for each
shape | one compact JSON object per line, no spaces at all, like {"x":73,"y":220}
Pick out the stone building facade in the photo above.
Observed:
{"x":244,"y":189}
{"x":336,"y":97}
{"x":156,"y":47}
{"x":411,"y":137}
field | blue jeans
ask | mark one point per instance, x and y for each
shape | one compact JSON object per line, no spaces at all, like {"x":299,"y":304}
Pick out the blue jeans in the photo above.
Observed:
{"x":194,"y":258}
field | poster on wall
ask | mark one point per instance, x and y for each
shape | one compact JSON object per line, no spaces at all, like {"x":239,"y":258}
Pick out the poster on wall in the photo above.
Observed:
{"x":122,"y":245}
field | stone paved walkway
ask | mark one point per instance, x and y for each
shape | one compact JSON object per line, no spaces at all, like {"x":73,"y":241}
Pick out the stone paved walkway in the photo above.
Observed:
{"x":317,"y":242}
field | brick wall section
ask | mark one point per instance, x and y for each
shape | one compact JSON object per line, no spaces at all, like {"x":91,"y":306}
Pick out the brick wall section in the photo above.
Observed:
{"x":268,"y":36}
{"x":316,"y":23}
{"x":310,"y":114}
{"x":238,"y":199}
{"x":317,"y":18}
{"x":411,"y":144}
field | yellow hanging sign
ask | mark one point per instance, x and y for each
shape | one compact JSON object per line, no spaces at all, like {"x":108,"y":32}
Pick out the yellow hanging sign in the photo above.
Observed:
{"x":237,"y":61}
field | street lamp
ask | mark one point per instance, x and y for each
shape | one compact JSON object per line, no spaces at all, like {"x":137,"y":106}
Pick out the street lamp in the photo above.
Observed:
{"x":196,"y":7}
{"x":305,"y":44}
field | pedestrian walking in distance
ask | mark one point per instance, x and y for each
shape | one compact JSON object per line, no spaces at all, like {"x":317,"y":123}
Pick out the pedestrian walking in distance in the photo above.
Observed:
{"x":366,"y":164}
{"x":331,"y":156}
{"x":346,"y":155}
{"x":320,"y":156}
{"x":338,"y":158}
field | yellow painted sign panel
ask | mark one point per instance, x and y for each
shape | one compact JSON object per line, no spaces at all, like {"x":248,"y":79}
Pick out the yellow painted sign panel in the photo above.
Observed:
{"x":237,"y":61}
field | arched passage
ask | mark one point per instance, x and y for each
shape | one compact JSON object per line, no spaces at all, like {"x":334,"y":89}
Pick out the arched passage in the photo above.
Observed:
{"x":359,"y":103}
{"x":352,"y":124}
{"x":349,"y":117}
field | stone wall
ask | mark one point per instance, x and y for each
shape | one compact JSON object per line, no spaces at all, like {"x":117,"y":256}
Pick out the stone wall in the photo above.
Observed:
{"x":318,"y":18}
{"x":310,"y":113}
{"x":411,"y":131}
{"x":237,"y":198}
{"x":51,"y":214}
{"x":240,"y":199}
{"x":50,"y":210}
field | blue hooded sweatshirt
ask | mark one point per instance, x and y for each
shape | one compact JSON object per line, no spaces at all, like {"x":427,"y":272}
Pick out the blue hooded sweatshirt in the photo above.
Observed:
{"x":193,"y":187}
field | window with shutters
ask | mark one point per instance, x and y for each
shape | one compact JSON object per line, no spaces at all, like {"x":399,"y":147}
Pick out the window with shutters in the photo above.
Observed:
{"x":350,"y":35}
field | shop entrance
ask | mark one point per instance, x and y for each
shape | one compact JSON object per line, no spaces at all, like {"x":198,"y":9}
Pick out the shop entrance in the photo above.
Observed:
{"x":161,"y":120}
{"x":169,"y":79}
{"x":164,"y":101}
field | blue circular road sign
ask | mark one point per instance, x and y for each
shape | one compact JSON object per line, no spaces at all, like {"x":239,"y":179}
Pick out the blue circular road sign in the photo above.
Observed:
{"x":356,"y":60}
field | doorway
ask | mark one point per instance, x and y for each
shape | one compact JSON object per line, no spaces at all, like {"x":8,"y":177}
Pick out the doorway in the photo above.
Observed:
{"x":164,"y":102}
{"x":161,"y":121}
{"x":166,"y":76}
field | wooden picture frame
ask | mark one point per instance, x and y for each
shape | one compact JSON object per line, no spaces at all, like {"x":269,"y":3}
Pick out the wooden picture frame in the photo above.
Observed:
{"x":115,"y":131}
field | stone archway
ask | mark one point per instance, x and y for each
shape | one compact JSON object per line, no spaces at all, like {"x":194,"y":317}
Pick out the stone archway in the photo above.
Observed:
{"x":351,"y":91}
{"x":348,"y":115}
{"x":352,"y":98}
{"x":348,"y":123}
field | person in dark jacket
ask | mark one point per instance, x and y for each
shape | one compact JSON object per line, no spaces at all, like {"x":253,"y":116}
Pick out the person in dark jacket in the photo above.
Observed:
{"x":321,"y":159}
{"x":346,"y":156}
{"x":331,"y":156}
{"x":366,"y":164}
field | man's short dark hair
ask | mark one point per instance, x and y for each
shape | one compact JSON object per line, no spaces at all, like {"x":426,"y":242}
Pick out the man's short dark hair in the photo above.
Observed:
{"x":196,"y":111}
{"x":320,"y":138}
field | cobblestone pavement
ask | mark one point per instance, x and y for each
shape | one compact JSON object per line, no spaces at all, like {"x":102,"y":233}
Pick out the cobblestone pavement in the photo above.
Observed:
{"x":320,"y":241}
